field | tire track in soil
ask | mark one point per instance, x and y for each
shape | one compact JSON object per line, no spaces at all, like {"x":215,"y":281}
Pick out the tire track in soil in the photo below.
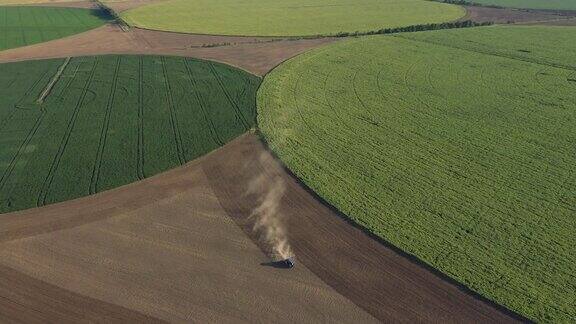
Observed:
{"x":104,"y":130}
{"x":41,"y":201}
{"x":173,"y":115}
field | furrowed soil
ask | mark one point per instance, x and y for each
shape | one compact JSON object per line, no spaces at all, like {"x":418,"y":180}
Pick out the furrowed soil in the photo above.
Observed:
{"x":174,"y":247}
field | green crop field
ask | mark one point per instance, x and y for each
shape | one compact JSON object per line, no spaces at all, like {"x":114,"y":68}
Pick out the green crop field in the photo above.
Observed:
{"x":287,"y":18}
{"x":111,"y":120}
{"x":532,"y":4}
{"x":457,"y":146}
{"x":21,"y":26}
{"x":28,"y":2}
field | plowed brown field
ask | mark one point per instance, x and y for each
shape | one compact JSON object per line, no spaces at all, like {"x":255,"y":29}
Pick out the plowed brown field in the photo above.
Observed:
{"x":174,"y":248}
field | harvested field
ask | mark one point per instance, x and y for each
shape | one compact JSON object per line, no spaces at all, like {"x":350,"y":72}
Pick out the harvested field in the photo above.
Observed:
{"x":256,"y":55}
{"x":70,"y":128}
{"x":561,"y":22}
{"x":456,"y":146}
{"x":168,"y":247}
{"x":510,"y":15}
{"x":25,"y":25}
{"x":287,"y":18}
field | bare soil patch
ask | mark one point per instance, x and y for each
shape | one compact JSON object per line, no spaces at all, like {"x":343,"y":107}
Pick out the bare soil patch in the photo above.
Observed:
{"x":256,"y":55}
{"x":123,"y":5}
{"x":509,"y":15}
{"x":174,"y":247}
{"x":163,"y":248}
{"x":28,"y":300}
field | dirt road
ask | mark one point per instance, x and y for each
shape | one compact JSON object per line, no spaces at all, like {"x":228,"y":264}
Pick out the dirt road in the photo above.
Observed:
{"x":256,"y":55}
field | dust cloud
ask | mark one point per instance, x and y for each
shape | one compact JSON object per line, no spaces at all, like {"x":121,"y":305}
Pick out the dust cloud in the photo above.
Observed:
{"x":269,"y":222}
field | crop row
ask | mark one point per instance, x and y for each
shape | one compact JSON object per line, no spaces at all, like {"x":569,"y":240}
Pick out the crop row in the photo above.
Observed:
{"x":112,"y":120}
{"x":462,"y":158}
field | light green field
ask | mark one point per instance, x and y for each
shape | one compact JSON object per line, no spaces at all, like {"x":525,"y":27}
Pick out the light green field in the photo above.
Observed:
{"x":459,"y":153}
{"x":287,"y":18}
{"x":21,"y":26}
{"x":532,"y":4}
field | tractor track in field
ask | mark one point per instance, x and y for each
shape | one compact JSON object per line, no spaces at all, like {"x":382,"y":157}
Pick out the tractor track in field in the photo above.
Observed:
{"x":28,"y":91}
{"x":104,"y":130}
{"x":8,"y":172}
{"x":41,"y":201}
{"x":239,"y":116}
{"x":209,"y":122}
{"x":140,"y":160}
{"x":173,"y":115}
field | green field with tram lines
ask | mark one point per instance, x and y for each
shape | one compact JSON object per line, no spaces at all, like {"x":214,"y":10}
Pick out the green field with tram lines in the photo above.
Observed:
{"x":74,"y":127}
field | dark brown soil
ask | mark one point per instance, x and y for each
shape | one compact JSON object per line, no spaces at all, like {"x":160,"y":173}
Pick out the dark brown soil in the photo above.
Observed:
{"x":163,"y":248}
{"x":256,"y":55}
{"x":508,"y":15}
{"x":174,"y":247}
{"x":28,"y":300}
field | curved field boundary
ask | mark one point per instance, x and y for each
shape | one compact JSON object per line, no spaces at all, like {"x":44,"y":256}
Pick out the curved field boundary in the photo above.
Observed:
{"x":477,"y":184}
{"x":287,"y":18}
{"x":95,"y":137}
{"x":329,"y":252}
{"x":146,"y":230}
{"x":382,"y":280}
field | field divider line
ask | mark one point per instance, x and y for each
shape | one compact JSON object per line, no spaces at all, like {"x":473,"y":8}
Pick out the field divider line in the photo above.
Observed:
{"x":104,"y":130}
{"x":52,"y":82}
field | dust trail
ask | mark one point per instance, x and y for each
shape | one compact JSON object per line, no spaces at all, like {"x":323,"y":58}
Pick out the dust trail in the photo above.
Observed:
{"x":270,"y":223}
